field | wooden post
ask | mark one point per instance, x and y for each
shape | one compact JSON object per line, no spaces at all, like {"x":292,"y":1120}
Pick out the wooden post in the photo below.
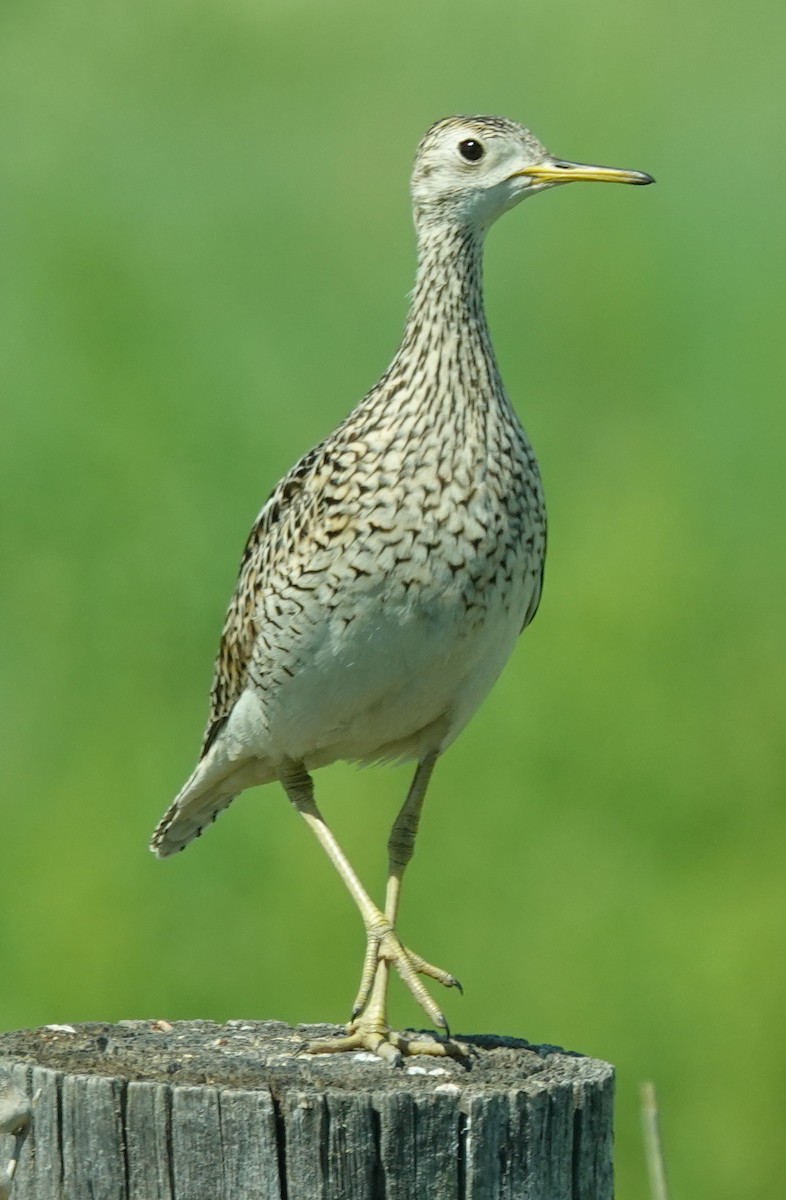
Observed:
{"x":145,"y":1110}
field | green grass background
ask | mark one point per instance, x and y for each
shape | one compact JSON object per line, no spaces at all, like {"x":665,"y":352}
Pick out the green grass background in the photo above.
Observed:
{"x":206,"y":250}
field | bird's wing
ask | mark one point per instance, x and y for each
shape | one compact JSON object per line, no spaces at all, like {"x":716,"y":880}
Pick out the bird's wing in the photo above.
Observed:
{"x":534,"y":602}
{"x":286,"y":513}
{"x":537,"y":589}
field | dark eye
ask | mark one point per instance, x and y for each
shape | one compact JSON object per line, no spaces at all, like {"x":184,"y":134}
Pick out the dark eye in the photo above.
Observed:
{"x":471,"y":150}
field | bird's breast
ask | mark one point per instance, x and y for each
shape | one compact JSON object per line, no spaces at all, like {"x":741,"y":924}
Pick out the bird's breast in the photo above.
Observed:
{"x":396,"y":615}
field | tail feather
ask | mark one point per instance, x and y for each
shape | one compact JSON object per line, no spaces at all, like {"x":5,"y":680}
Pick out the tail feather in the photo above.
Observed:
{"x":180,"y":825}
{"x":199,"y":802}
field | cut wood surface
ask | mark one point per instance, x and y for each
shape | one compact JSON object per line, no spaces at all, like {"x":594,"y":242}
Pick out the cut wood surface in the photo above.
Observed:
{"x":145,"y":1110}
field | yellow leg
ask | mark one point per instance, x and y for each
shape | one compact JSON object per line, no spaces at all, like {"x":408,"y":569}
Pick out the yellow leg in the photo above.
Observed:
{"x":369,"y":1028}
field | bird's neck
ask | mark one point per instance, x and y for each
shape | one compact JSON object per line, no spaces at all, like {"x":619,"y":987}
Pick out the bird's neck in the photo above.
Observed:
{"x":443,"y":381}
{"x":447,"y":319}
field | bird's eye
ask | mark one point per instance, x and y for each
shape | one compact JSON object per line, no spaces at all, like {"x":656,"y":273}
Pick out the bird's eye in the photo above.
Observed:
{"x":471,"y":150}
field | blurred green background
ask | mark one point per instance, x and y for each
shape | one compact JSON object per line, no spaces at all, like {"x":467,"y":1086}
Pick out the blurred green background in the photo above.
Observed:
{"x":206,"y":250}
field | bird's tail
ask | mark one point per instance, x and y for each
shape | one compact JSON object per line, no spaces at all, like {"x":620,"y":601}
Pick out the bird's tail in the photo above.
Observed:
{"x":205,"y":794}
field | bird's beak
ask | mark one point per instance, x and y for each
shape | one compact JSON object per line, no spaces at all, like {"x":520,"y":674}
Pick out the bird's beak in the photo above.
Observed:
{"x":556,"y":170}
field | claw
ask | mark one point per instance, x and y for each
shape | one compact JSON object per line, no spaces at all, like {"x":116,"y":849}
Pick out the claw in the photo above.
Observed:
{"x":390,"y":1054}
{"x":370,"y":960}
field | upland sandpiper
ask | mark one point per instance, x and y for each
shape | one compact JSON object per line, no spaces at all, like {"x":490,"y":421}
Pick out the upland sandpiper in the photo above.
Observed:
{"x":388,"y":576}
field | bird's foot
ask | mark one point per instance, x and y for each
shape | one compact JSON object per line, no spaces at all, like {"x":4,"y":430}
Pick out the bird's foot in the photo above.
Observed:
{"x":374,"y":1035}
{"x":383,"y":946}
{"x":369,"y":1029}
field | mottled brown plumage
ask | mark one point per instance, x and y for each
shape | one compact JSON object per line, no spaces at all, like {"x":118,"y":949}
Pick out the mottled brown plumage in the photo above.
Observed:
{"x":388,"y":576}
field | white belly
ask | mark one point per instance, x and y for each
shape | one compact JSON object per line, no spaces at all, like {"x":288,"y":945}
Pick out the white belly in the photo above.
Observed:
{"x":397,"y":681}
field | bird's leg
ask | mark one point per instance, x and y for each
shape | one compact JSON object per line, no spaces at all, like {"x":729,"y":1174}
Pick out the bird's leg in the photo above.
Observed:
{"x":370,"y":1030}
{"x":401,"y":843}
{"x":401,"y":846}
{"x":370,"y":1005}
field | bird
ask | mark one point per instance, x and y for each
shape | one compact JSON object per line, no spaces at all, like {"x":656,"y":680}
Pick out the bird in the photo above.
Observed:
{"x":388,"y":576}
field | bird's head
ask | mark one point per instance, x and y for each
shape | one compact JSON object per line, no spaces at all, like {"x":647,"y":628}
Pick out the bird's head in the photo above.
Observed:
{"x":469,"y":170}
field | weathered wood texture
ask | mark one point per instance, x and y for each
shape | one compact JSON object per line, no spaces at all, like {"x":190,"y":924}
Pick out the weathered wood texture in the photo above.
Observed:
{"x":196,"y":1111}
